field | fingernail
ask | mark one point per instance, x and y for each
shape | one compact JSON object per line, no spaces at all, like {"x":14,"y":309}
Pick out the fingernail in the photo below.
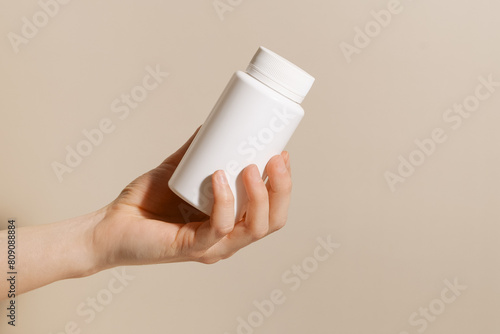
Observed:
{"x":221,"y":177}
{"x":281,"y":165}
{"x":254,"y":174}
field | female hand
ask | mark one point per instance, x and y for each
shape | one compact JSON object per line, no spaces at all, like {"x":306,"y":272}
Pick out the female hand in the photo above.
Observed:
{"x":146,"y":223}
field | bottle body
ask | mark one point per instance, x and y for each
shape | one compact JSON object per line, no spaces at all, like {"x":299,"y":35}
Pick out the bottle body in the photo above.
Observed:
{"x":249,"y":124}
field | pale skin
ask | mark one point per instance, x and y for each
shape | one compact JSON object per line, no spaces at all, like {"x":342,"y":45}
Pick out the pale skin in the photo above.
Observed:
{"x":144,"y":225}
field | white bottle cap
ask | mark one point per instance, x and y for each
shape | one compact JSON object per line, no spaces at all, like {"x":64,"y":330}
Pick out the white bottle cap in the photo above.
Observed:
{"x":280,"y":74}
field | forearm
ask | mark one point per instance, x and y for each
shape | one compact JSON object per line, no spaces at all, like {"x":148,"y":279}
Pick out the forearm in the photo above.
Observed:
{"x":52,"y":252}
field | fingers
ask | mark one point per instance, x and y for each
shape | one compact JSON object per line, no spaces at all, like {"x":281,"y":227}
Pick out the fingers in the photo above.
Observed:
{"x":221,"y":221}
{"x":255,"y":225}
{"x":222,"y":217}
{"x":267,"y":210}
{"x":257,"y":215}
{"x":256,"y":222}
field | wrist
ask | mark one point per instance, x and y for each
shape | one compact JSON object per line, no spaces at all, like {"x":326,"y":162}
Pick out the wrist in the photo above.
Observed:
{"x":91,"y":261}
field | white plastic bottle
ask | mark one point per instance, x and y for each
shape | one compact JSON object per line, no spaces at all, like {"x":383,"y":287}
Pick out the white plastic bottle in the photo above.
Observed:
{"x":251,"y":122}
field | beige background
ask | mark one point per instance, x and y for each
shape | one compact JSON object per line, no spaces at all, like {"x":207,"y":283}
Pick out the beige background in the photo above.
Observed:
{"x":396,"y":249}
